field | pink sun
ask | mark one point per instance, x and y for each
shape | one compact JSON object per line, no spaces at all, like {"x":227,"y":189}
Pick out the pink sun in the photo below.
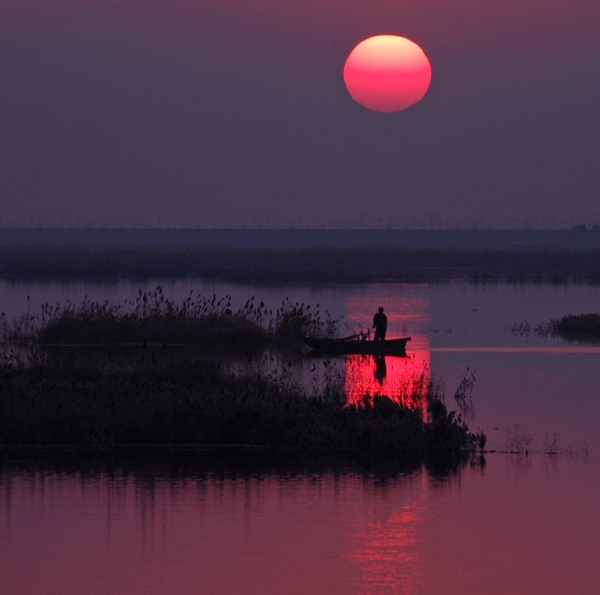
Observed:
{"x":387,"y":73}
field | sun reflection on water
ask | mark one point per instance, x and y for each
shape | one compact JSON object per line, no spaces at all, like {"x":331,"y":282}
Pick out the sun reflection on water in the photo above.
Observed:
{"x":386,"y":552}
{"x":404,"y":379}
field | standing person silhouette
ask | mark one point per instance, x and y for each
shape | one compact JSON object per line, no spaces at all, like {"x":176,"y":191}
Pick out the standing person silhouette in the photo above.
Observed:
{"x":380,"y":325}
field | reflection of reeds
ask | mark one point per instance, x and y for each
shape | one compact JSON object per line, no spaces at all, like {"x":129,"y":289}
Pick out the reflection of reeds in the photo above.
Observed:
{"x":178,"y":465}
{"x":518,"y":441}
{"x":550,"y":446}
{"x":169,"y":396}
{"x":464,"y":392}
{"x":523,"y":329}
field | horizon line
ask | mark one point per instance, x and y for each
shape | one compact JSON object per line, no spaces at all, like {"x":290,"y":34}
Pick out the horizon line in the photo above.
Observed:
{"x":576,"y":228}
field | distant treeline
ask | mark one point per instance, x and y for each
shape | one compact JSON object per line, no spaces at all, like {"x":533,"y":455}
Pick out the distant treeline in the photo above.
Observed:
{"x":305,"y":265}
{"x":579,"y":237}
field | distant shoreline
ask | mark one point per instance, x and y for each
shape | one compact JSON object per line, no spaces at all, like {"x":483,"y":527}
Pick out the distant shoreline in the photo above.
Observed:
{"x":488,"y":239}
{"x":302,"y":256}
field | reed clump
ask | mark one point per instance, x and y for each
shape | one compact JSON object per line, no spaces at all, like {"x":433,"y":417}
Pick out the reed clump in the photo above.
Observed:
{"x":169,"y":396}
{"x":574,"y":327}
{"x":152,"y":318}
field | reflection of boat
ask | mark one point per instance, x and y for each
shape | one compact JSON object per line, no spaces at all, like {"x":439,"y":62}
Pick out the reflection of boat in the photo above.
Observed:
{"x":351,"y":345}
{"x":380,"y":367}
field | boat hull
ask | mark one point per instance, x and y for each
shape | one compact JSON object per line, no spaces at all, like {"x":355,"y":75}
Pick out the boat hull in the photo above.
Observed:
{"x":396,"y":346}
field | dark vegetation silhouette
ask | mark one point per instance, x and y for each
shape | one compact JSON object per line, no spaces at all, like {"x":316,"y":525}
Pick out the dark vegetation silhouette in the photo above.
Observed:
{"x":153,"y":318}
{"x":581,"y":328}
{"x":306,"y":265}
{"x":169,"y":396}
{"x":573,"y":327}
{"x":134,"y":391}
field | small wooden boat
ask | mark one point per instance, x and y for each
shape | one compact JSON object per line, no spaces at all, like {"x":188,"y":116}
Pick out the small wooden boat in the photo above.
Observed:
{"x":352,"y":345}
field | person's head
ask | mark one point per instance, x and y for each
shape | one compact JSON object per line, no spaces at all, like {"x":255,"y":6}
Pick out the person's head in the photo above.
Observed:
{"x":381,"y":310}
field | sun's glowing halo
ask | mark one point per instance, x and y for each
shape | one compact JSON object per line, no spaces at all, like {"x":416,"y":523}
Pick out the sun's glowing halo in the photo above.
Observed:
{"x":387,"y":73}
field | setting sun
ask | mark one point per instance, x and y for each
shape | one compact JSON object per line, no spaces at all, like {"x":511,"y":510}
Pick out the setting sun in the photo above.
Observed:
{"x":387,"y":73}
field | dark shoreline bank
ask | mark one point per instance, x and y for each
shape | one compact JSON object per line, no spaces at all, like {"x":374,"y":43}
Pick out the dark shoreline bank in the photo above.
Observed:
{"x":190,"y":239}
{"x":302,"y":256}
{"x":314,"y":265}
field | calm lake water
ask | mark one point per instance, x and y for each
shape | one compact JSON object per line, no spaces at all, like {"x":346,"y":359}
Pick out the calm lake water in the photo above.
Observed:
{"x":514,"y":523}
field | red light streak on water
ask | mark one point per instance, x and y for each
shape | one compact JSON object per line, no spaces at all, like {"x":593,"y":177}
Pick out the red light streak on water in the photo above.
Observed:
{"x":388,"y":551}
{"x":402,"y":379}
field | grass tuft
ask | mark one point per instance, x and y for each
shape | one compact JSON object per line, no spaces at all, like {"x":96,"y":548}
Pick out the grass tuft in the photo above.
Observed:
{"x":573,"y":327}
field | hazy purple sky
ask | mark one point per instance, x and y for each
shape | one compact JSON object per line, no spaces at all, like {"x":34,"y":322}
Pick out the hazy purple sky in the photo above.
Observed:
{"x":210,"y":112}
